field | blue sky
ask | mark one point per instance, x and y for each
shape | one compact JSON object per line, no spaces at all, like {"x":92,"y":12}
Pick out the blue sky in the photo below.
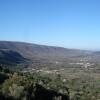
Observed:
{"x":66,"y":23}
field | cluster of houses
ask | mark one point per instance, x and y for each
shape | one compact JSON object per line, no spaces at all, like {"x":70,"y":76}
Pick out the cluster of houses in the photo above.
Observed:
{"x":31,"y":70}
{"x":83,"y":63}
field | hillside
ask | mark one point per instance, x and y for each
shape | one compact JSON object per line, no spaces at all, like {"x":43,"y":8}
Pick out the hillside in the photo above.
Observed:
{"x":9,"y":57}
{"x":50,"y":57}
{"x":29,"y":50}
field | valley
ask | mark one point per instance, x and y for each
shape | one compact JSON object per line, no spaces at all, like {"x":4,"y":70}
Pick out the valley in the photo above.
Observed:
{"x":61,"y":73}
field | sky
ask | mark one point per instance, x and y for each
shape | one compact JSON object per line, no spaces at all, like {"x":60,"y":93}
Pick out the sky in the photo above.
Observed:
{"x":65,"y":23}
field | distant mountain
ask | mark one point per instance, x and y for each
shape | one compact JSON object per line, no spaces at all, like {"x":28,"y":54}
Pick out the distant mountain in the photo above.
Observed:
{"x":96,"y":52}
{"x":28,"y":55}
{"x":32,"y":51}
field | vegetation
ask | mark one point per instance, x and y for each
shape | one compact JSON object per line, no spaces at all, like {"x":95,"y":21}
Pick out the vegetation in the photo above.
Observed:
{"x":18,"y":86}
{"x":36,"y":86}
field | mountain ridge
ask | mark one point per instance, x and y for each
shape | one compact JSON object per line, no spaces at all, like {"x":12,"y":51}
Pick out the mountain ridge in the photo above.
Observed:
{"x":30,"y":50}
{"x":41,"y":56}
